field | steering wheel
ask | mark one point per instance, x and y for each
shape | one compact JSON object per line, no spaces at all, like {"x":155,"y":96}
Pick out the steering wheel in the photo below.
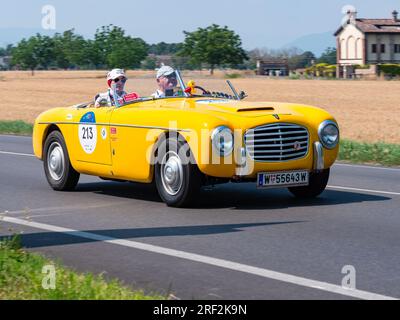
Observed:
{"x":204,"y":91}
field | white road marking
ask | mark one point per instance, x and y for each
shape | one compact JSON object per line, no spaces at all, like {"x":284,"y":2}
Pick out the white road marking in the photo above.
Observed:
{"x":365,"y":167}
{"x":265,"y":273}
{"x":17,"y":153}
{"x":28,"y":211}
{"x":364,"y":190}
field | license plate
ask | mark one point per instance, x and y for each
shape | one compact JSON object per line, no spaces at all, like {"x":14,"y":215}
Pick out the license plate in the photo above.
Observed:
{"x":282,"y":179}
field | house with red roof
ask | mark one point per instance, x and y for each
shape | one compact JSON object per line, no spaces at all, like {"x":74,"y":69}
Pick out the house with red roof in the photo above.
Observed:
{"x":367,"y":42}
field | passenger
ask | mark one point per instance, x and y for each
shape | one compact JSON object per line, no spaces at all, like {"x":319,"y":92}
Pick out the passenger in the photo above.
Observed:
{"x":166,"y":79}
{"x":116,"y":80}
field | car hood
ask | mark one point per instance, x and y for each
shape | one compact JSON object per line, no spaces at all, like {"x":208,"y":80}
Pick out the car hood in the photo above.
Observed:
{"x":243,"y":108}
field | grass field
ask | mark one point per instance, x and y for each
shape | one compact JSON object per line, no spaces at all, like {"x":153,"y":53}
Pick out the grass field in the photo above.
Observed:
{"x":367,"y":111}
{"x":21,"y":278}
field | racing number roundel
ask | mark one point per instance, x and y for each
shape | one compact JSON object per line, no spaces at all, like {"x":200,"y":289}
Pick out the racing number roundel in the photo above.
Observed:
{"x":87,"y":131}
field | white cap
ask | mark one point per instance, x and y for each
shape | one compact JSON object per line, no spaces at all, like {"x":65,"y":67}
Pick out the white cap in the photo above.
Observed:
{"x":164,"y":71}
{"x":114,"y":74}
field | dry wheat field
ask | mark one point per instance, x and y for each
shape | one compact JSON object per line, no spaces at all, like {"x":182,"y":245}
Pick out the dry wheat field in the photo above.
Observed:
{"x":366,"y":110}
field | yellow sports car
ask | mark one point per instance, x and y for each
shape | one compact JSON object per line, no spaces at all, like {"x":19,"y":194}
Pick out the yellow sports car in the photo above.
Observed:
{"x":190,"y":138}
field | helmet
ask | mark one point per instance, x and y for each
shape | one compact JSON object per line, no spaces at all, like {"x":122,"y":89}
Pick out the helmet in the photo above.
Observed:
{"x":114,"y":74}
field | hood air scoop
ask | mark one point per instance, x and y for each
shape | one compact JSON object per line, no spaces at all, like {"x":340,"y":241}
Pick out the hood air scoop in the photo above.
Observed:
{"x":256,"y":109}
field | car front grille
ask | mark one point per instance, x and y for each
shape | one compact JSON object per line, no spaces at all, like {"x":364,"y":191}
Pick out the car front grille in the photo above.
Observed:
{"x":276,"y":142}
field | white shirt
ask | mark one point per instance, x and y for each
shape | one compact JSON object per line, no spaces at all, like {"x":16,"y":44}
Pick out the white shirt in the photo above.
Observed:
{"x":108,"y":96}
{"x":158,"y":94}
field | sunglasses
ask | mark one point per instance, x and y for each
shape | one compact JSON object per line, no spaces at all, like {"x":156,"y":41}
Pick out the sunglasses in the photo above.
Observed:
{"x":171,"y":76}
{"x":120,"y":79}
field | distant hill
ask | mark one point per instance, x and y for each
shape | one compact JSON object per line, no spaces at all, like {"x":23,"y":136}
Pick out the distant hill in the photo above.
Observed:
{"x":317,"y":43}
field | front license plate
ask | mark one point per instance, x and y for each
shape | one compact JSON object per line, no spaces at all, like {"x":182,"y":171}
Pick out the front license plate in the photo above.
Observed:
{"x":282,"y":179}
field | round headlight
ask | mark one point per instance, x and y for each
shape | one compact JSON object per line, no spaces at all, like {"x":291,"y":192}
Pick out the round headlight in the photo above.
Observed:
{"x":328,"y":133}
{"x":222,"y":140}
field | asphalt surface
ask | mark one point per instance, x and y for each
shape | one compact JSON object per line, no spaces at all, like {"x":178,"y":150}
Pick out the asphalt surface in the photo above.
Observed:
{"x":356,"y":222}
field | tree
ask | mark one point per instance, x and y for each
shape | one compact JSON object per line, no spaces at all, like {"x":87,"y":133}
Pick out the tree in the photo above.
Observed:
{"x":328,"y":56}
{"x":127,"y":54}
{"x":70,"y":50}
{"x":36,"y":51}
{"x":24,"y":54}
{"x":6,"y":51}
{"x":303,"y":60}
{"x":163,"y":48}
{"x":150,"y":63}
{"x":113,"y":48}
{"x":213,"y":45}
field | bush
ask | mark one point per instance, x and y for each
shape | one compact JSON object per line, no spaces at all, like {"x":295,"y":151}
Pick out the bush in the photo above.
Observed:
{"x":294,"y":76}
{"x":322,"y":69}
{"x":390,"y":69}
{"x":233,"y":75}
{"x":362,"y":66}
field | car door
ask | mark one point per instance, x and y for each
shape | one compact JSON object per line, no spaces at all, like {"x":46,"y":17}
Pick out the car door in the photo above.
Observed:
{"x":92,"y":135}
{"x":133,"y":133}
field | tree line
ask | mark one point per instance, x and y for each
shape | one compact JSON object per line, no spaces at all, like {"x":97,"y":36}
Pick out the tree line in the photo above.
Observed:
{"x":211,"y":47}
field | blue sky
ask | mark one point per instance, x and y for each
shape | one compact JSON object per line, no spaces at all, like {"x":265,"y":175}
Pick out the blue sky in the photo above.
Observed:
{"x":260,"y":23}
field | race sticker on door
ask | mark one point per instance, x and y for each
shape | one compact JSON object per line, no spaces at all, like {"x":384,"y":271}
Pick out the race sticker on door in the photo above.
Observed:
{"x":87,"y":131}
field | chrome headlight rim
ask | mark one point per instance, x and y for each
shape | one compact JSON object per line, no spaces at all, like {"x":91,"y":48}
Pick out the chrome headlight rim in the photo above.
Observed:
{"x":214,"y":134}
{"x":321,"y":127}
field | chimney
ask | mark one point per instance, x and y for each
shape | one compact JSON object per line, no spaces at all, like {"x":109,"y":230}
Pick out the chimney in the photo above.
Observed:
{"x":395,"y":16}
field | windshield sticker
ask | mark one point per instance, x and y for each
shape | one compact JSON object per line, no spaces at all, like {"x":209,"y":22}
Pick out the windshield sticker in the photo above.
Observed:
{"x":214,"y":101}
{"x":88,"y":132}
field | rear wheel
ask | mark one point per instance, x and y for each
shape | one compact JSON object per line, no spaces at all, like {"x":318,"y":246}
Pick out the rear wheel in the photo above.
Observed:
{"x":317,"y":185}
{"x":177,"y":177}
{"x":57,"y":167}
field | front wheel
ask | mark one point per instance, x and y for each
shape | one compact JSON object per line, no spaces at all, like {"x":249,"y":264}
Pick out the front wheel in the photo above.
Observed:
{"x":317,"y":185}
{"x":57,"y":167}
{"x":177,"y":177}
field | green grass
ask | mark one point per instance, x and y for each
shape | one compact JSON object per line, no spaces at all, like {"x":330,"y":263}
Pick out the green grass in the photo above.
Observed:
{"x":379,"y":153}
{"x":21,"y":278}
{"x":15,"y":127}
{"x":233,"y":75}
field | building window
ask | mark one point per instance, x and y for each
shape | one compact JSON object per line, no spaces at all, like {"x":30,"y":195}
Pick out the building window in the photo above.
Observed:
{"x":397,"y":48}
{"x":374,"y":48}
{"x":383,"y":47}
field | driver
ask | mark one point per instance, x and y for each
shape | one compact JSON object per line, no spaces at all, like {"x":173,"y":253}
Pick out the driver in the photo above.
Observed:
{"x":166,"y":79}
{"x":116,"y":79}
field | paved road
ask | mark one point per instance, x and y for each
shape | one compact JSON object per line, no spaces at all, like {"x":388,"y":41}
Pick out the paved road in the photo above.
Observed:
{"x":237,"y":243}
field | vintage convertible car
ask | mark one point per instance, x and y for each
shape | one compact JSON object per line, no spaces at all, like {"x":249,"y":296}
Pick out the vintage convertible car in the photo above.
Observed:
{"x":187,"y":140}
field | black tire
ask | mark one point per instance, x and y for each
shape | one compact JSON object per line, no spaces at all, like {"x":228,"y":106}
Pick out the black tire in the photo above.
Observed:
{"x":318,"y":182}
{"x":191,"y":177}
{"x":59,"y":173}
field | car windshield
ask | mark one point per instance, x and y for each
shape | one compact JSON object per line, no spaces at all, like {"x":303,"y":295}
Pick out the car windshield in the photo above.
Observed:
{"x":174,"y":86}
